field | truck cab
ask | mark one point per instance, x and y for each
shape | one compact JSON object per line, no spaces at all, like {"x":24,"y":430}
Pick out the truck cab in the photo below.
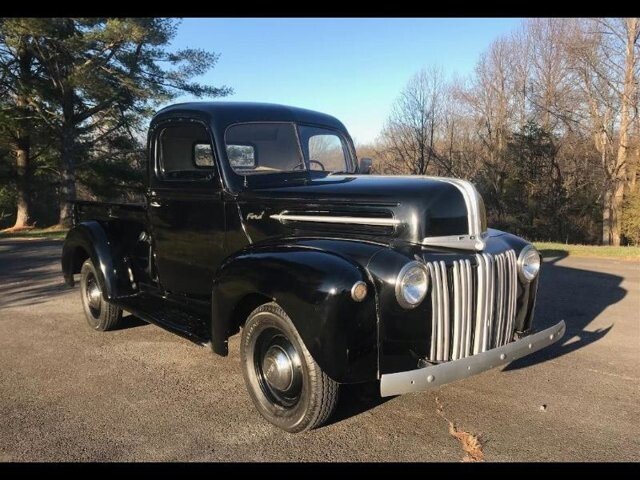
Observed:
{"x":260,"y":219}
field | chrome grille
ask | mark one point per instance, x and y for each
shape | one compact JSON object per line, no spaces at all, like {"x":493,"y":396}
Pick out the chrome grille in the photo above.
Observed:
{"x":474,"y":306}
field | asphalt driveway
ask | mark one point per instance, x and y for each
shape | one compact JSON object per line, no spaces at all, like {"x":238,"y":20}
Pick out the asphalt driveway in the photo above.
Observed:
{"x":140,"y":393}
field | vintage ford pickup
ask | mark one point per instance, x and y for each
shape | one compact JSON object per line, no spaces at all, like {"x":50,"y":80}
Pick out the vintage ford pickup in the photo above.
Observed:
{"x":259,"y":218}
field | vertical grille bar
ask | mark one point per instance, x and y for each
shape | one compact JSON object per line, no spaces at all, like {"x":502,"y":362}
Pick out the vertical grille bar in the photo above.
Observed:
{"x":458,"y":300}
{"x":435,"y":308}
{"x":468,"y":327}
{"x":513,"y":290}
{"x":507,"y":300}
{"x":488,"y":325}
{"x":500,"y":307}
{"x":473,"y":307}
{"x":445,"y":317}
{"x":440,"y":337}
{"x":481,"y":282}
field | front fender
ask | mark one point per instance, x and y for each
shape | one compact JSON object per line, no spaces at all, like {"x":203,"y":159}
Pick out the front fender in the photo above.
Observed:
{"x":89,"y":240}
{"x":314,"y":287}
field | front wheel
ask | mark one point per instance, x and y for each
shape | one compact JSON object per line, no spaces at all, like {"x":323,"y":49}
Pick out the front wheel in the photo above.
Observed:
{"x":101,"y":315}
{"x":285,"y":383}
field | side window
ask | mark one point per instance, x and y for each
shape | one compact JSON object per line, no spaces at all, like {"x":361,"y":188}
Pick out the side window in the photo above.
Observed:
{"x":184,"y":153}
{"x":325,"y":149}
{"x":326,"y":153}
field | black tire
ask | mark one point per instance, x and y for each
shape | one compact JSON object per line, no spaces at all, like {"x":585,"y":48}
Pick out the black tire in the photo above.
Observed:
{"x":310,"y":397}
{"x":101,"y":315}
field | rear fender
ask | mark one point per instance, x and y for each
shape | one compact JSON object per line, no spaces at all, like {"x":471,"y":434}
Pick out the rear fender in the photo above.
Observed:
{"x":90,"y":240}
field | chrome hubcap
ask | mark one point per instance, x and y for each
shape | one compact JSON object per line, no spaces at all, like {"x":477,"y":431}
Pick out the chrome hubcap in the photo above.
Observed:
{"x":94,"y":295}
{"x":278,"y":367}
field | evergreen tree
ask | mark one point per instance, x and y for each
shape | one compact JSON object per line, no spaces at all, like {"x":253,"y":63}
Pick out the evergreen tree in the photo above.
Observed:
{"x":17,"y":122}
{"x":97,"y":80}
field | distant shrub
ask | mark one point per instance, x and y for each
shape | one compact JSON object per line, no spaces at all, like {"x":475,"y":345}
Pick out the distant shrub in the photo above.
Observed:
{"x":7,"y":206}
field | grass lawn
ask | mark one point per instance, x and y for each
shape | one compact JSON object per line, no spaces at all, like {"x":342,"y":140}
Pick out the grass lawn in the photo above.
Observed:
{"x":49,"y":233}
{"x":549,"y":249}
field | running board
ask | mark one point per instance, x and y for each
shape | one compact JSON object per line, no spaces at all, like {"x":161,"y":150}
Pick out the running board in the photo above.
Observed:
{"x":167,"y":315}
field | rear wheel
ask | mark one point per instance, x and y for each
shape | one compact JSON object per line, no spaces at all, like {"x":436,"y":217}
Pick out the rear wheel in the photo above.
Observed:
{"x":101,"y":315}
{"x":286,"y":385}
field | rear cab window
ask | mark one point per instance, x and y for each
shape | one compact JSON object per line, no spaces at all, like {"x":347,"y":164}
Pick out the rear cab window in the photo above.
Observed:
{"x":183,"y":152}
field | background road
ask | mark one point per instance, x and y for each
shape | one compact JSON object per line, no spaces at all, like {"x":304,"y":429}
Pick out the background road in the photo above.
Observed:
{"x":140,"y":393}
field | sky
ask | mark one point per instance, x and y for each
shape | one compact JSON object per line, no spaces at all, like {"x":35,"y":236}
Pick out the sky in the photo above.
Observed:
{"x":351,"y":68}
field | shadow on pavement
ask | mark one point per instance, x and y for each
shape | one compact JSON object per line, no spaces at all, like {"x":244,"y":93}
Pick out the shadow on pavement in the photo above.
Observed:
{"x":130,"y":321}
{"x":356,"y":399}
{"x":576,"y":296}
{"x":30,"y":272}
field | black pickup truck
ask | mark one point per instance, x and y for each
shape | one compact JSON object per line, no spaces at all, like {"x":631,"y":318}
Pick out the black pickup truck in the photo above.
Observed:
{"x":259,"y":218}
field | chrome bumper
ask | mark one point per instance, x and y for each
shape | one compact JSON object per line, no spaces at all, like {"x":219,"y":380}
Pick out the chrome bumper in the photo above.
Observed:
{"x":436,"y":375}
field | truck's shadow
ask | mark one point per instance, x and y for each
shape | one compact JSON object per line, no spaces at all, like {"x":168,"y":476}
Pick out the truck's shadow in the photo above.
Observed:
{"x":357,"y":399}
{"x":577,"y":297}
{"x":130,"y":321}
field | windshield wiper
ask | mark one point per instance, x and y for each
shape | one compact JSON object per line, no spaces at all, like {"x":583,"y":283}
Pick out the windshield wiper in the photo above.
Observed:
{"x":340,"y":172}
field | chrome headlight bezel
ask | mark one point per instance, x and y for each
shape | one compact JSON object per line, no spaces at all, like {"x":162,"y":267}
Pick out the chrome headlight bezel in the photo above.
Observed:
{"x":400,"y":283}
{"x":525,"y":275}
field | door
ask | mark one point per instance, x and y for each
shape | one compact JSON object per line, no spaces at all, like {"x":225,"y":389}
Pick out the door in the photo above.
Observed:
{"x":186,"y":210}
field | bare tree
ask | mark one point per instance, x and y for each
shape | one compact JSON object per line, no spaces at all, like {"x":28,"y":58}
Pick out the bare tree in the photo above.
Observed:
{"x":409,"y":134}
{"x":551,"y":110}
{"x":553,"y":96}
{"x":489,"y":99}
{"x":606,"y":55}
{"x":17,"y":83}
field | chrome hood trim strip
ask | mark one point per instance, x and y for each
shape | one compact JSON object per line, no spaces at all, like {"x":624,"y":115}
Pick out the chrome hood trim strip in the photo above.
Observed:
{"x":381,"y":222}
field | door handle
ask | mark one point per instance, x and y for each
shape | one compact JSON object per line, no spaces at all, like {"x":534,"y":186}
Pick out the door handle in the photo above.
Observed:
{"x":153,"y":203}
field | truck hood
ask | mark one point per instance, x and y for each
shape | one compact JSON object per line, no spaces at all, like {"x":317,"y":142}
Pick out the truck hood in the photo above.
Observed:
{"x":434,"y":211}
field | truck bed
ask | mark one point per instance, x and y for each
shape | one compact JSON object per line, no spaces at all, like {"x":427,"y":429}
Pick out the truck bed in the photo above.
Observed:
{"x":104,"y":211}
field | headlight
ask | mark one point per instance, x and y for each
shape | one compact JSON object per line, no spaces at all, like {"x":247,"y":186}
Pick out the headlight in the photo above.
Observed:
{"x":528,"y":263}
{"x":412,"y":284}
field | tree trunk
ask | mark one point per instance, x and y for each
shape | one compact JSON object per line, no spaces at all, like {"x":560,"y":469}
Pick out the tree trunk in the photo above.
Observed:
{"x":606,"y":216}
{"x":612,"y":209}
{"x":23,"y":176}
{"x":616,"y":211}
{"x":617,"y":173}
{"x":624,"y":147}
{"x":68,"y":184}
{"x":68,"y":152}
{"x":22,"y":141}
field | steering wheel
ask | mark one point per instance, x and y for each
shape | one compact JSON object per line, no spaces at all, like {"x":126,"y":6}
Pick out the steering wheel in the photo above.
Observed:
{"x":302,"y":164}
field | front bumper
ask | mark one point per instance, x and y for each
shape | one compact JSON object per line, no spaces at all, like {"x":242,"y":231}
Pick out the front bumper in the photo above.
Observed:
{"x":436,"y":375}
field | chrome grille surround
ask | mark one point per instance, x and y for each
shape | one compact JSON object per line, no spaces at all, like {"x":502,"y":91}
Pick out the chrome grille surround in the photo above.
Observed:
{"x":473,"y":306}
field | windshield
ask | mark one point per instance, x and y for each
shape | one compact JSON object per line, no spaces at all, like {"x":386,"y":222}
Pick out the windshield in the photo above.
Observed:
{"x":263,"y":148}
